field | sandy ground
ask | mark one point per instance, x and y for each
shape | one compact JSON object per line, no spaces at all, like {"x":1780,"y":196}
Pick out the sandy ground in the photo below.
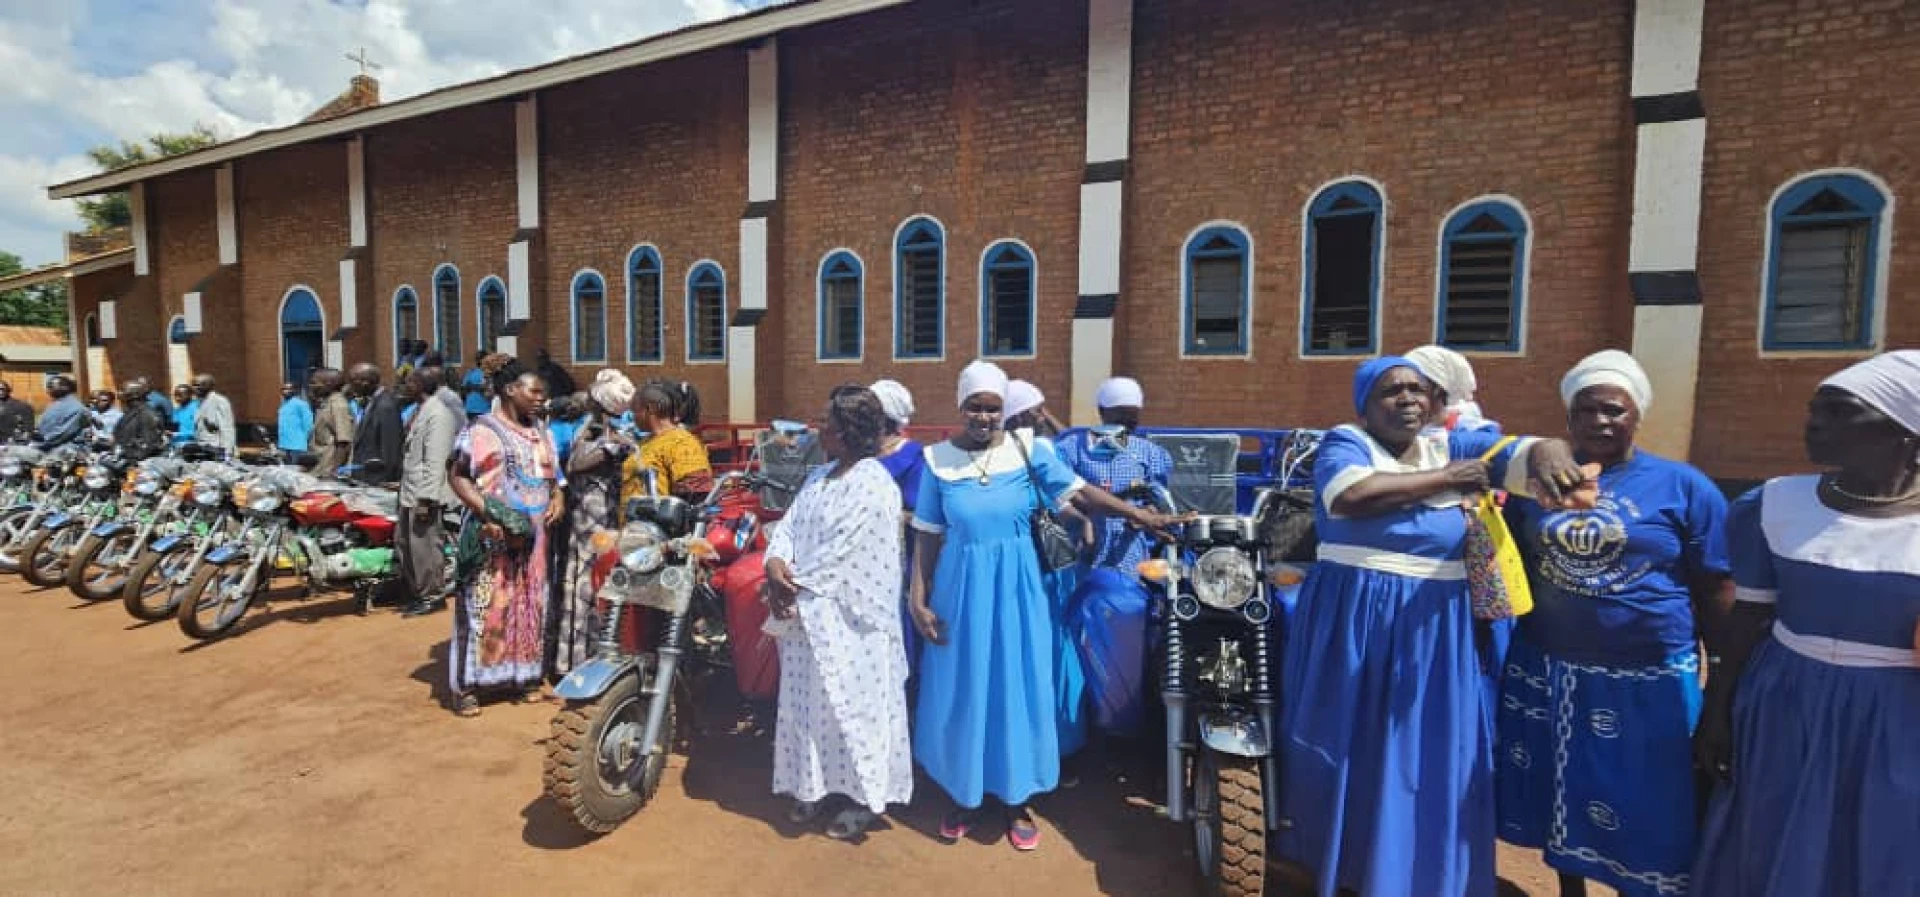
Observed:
{"x":309,"y":755}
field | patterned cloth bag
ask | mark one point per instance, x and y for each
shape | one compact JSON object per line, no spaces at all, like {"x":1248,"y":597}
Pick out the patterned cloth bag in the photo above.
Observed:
{"x":1496,"y":575}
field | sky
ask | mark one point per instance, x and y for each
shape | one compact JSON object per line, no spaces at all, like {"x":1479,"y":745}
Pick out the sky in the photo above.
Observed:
{"x":81,"y":73}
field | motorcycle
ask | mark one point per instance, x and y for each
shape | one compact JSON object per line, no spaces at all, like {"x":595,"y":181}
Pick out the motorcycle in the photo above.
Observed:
{"x":104,"y":557}
{"x":662,"y":621}
{"x":16,"y":475}
{"x":56,"y":485}
{"x":1224,"y":589}
{"x":332,"y":536}
{"x":158,"y":579}
{"x":47,"y":553}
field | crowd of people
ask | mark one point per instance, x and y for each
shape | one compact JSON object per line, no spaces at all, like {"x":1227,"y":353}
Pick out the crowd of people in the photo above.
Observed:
{"x":1707,"y":698}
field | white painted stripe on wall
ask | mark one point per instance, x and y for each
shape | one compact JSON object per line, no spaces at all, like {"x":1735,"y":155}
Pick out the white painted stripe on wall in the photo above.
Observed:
{"x":1109,"y":78}
{"x":137,"y":210}
{"x":753,"y":263}
{"x":109,"y":319}
{"x":357,"y":192}
{"x":1666,"y":46}
{"x":1666,"y":341}
{"x":519,"y":258}
{"x":190,"y":310}
{"x":1100,"y":211}
{"x":763,"y":121}
{"x":1092,"y":364}
{"x":526,"y":144}
{"x":225,"y":222}
{"x":349,"y":294}
{"x":1666,"y":196}
{"x":509,"y":345}
{"x":742,"y":351}
{"x":335,"y":354}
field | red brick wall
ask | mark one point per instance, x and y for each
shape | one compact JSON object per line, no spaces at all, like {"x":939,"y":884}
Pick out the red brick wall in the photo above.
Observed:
{"x":973,"y":113}
{"x":1789,"y":89}
{"x":440,"y":189}
{"x":1243,"y":109}
{"x":292,"y":206}
{"x":629,"y":159}
{"x":88,"y":291}
{"x":186,"y":251}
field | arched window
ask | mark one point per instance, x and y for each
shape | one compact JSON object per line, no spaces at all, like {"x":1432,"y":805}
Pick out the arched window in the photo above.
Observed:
{"x":446,"y":312}
{"x":706,"y":313}
{"x":92,"y":327}
{"x":1342,"y":281}
{"x":842,"y":295}
{"x":1006,"y":299}
{"x":492,"y":301}
{"x":919,"y":290}
{"x":589,"y":318}
{"x":406,"y":320}
{"x":646,"y":333}
{"x":1827,"y":239}
{"x":302,"y":335}
{"x":1483,"y":259}
{"x":1218,"y":286}
{"x":177,"y":331}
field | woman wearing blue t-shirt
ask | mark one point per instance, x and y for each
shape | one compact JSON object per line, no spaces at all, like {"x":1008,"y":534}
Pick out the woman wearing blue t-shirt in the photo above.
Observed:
{"x":1602,"y":685}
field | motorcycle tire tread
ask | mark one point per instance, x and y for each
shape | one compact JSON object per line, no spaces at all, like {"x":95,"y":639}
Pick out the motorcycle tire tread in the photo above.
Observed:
{"x":32,"y":573}
{"x":570,"y":750}
{"x":190,"y":599}
{"x":1243,"y":829}
{"x":82,"y":564}
{"x":131,"y":596}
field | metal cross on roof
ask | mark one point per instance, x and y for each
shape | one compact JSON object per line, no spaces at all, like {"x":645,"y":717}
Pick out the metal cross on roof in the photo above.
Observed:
{"x":366,"y":62}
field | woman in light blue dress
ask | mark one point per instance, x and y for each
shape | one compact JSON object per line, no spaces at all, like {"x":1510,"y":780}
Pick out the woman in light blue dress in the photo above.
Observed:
{"x":1813,"y":708}
{"x":1026,"y":413}
{"x":1386,"y":738}
{"x":986,"y":708}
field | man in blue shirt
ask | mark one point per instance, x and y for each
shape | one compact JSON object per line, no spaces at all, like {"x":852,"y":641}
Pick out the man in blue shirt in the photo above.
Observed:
{"x":157,"y":399}
{"x":473,"y":389}
{"x":296,"y":420}
{"x":186,"y":409}
{"x":66,"y":419}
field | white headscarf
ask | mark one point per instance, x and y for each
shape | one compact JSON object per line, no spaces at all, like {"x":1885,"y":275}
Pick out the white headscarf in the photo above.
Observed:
{"x":1120,"y":392}
{"x":1448,"y":369}
{"x":1022,"y":397}
{"x":895,"y":401}
{"x":1890,"y":382}
{"x":1611,"y":367}
{"x":611,"y":390}
{"x":982,"y":376}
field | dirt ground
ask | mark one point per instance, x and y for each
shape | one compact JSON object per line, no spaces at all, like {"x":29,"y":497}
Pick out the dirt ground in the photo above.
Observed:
{"x":309,"y":755}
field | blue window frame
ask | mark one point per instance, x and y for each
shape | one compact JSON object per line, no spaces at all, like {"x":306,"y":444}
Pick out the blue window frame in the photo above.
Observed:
{"x":1341,"y":304}
{"x":1483,"y":257}
{"x":1823,"y":264}
{"x":446,"y":312}
{"x":491,"y":302}
{"x":920,"y":290}
{"x":406,"y":319}
{"x":1006,"y":300}
{"x":302,"y":335}
{"x":589,"y":292}
{"x":1217,"y":290}
{"x":646,"y":333}
{"x":177,"y":330}
{"x":706,"y":313}
{"x":842,"y":297}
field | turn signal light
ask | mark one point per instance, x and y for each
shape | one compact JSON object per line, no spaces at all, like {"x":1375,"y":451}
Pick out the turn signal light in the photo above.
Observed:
{"x":182,"y":489}
{"x":700,"y":548}
{"x":603,"y":541}
{"x":1154,"y":570}
{"x":1284,"y":575}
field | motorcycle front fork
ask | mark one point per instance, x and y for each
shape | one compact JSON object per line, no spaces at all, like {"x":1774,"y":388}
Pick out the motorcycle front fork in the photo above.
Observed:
{"x":663,"y":676}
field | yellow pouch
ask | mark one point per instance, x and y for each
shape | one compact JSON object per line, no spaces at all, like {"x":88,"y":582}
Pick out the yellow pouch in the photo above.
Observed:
{"x":1496,"y":574}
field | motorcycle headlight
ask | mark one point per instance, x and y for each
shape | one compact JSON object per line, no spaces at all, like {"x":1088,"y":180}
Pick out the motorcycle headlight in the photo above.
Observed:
{"x":210,"y":497}
{"x":264,"y":502}
{"x":96,"y":480}
{"x":642,"y":547}
{"x":146,"y":483}
{"x":11,"y":469}
{"x":1224,"y":578}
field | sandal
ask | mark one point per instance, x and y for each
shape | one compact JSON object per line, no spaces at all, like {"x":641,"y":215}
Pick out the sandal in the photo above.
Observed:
{"x":957,"y":823}
{"x":467,"y":706}
{"x":851,"y":823}
{"x":803,"y":811}
{"x":1022,"y":833}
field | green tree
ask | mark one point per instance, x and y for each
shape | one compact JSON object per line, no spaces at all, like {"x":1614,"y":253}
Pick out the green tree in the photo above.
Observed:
{"x":110,"y":210}
{"x":41,"y":305}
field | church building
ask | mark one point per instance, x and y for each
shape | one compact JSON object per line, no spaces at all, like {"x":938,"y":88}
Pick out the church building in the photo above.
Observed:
{"x":1233,"y":201}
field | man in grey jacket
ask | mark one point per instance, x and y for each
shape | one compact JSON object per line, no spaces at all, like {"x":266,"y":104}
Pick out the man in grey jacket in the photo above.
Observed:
{"x":424,"y":493}
{"x":214,"y":424}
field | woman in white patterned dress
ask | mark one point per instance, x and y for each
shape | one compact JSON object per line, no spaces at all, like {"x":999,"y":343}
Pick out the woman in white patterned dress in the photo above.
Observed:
{"x":833,"y":573}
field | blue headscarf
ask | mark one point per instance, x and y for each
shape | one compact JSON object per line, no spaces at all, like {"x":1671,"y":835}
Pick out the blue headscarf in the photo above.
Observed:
{"x":1370,"y":374}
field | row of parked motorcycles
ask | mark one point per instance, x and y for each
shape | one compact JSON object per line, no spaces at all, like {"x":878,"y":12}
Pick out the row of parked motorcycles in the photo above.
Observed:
{"x":677,"y":600}
{"x":197,"y":534}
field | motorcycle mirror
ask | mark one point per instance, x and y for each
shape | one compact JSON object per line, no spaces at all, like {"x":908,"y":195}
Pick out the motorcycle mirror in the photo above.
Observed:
{"x":788,"y":427}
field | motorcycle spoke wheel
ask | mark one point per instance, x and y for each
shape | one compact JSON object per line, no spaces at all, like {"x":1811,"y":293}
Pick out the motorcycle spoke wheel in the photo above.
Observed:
{"x":156,"y":583}
{"x":44,"y":557}
{"x":594,"y":768}
{"x":13,"y":533}
{"x":1229,"y":824}
{"x":213,"y":602}
{"x":100,"y":566}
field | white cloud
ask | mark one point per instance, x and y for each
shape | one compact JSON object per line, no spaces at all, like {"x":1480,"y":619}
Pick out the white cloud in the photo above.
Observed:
{"x":263,"y":63}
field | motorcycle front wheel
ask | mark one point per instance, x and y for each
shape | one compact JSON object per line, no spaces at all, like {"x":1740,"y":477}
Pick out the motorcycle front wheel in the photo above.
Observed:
{"x":43,"y":560}
{"x":154,"y":586}
{"x":213,"y":603}
{"x":99,"y":568}
{"x":1229,"y":824}
{"x":595,"y":768}
{"x":13,"y":533}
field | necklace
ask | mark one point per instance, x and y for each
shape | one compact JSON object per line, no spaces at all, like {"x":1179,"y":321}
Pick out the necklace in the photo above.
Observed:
{"x":985,"y":477}
{"x":1833,"y":483}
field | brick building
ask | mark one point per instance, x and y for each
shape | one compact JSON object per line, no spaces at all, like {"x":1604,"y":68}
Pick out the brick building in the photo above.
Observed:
{"x":1232,"y":200}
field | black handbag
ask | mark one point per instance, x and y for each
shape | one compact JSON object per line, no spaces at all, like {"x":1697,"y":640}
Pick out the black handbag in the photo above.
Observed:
{"x":1052,"y":541}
